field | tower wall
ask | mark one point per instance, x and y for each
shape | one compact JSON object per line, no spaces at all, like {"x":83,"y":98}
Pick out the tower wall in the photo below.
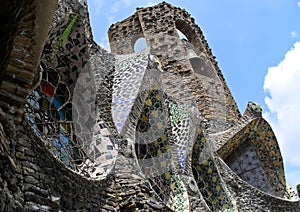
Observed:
{"x":122,"y":35}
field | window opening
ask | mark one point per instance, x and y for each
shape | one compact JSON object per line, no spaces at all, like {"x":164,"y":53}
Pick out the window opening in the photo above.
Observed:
{"x":140,"y":44}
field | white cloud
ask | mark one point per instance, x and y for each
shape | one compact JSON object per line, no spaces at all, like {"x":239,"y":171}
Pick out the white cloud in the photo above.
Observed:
{"x":298,"y":3}
{"x":282,"y":83}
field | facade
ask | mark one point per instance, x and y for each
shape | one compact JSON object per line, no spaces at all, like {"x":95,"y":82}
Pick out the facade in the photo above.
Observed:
{"x":156,"y":130}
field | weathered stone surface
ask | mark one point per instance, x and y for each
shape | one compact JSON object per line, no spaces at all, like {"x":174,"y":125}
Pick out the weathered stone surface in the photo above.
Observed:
{"x":33,"y":179}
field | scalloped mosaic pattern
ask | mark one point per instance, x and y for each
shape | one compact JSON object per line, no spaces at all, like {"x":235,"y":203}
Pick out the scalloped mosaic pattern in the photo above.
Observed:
{"x":137,"y":78}
{"x":245,"y":163}
{"x":260,"y":134}
{"x":208,"y":179}
{"x":154,"y":151}
{"x":127,"y":81}
{"x":184,"y":120}
{"x":70,"y":131}
{"x":181,"y":125}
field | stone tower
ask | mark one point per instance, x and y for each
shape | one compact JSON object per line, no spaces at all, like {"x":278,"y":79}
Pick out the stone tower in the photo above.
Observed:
{"x":190,"y":59}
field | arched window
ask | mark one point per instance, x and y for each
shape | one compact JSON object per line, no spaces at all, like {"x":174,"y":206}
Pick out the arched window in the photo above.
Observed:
{"x":181,"y":35}
{"x":187,"y":32}
{"x":140,"y":44}
{"x":199,"y":62}
{"x":183,"y":29}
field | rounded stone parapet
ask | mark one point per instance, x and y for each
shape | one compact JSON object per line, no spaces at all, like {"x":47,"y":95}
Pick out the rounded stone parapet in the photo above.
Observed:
{"x":19,"y":66}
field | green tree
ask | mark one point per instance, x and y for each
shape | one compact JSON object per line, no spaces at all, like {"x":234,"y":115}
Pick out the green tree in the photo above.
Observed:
{"x":298,"y":189}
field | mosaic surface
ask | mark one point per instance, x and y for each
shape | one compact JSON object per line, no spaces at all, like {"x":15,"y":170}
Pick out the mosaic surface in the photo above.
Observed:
{"x":260,"y":135}
{"x":245,"y":163}
{"x":152,"y":137}
{"x":50,"y":106}
{"x":164,"y":133}
{"x":62,"y":109}
{"x":127,"y":81}
{"x":155,"y":149}
{"x":84,"y":106}
{"x":208,"y":178}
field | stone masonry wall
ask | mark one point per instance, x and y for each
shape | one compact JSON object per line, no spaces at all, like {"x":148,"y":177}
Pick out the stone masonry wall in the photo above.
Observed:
{"x":32,"y":179}
{"x":19,"y":72}
{"x":130,"y":30}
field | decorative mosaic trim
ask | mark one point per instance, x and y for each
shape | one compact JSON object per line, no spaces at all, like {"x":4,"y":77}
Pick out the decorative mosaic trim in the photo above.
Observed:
{"x":265,"y":143}
{"x":207,"y":176}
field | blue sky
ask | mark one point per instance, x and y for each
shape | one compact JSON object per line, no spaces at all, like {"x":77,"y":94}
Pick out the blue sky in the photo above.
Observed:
{"x":257,"y":46}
